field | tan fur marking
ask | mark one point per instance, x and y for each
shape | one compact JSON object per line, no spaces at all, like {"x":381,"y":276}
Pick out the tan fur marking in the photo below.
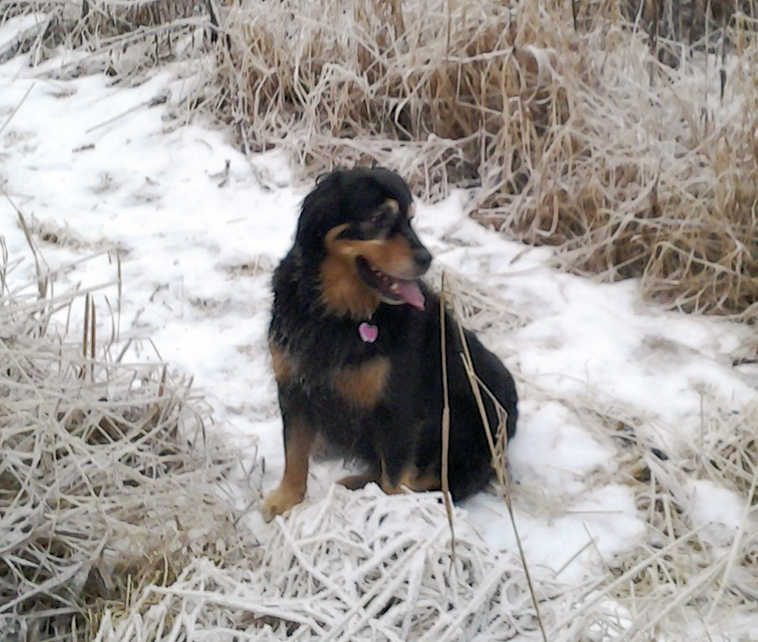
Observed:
{"x":398,"y":488}
{"x":355,"y":482}
{"x":342,"y":289}
{"x":427,"y":480}
{"x":393,"y":205}
{"x":363,"y":385}
{"x":411,"y":479}
{"x":281,"y":362}
{"x":393,"y":256}
{"x":291,"y":490}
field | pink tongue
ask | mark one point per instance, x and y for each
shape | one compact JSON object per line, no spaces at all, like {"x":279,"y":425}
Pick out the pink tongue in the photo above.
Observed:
{"x":410,"y":292}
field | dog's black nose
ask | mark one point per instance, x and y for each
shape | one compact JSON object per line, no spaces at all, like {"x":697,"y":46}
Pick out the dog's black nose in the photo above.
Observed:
{"x":422,"y":258}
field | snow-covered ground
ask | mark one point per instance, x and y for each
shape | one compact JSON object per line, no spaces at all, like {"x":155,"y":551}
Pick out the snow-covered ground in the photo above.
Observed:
{"x":199,"y":227}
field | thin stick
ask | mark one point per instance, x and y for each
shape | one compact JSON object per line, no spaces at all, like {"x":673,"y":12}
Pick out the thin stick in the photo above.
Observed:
{"x":16,"y":108}
{"x":397,"y":15}
{"x":92,"y":329}
{"x":500,"y":471}
{"x":156,"y":100}
{"x":41,"y":279}
{"x":445,"y":420}
{"x":722,"y":70}
{"x":3,"y":266}
{"x":85,"y":335}
{"x":449,"y":31}
{"x":573,"y":13}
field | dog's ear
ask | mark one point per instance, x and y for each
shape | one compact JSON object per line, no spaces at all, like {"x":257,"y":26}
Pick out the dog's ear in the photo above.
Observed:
{"x":320,"y":209}
{"x":392,"y":185}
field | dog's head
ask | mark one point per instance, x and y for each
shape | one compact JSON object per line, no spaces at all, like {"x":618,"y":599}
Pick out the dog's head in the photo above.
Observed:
{"x":359,"y":224}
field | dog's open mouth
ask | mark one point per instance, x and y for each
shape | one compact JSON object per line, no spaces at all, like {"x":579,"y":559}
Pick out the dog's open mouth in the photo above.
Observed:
{"x":390,"y":288}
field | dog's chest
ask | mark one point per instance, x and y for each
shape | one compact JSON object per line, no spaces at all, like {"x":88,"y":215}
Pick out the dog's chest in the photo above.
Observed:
{"x":347,"y":366}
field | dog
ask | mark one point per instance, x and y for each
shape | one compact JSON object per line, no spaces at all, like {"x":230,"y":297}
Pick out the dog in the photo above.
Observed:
{"x":355,"y":341}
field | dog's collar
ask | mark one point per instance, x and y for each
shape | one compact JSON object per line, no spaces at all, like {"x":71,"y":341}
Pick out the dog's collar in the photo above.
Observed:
{"x":368,"y":332}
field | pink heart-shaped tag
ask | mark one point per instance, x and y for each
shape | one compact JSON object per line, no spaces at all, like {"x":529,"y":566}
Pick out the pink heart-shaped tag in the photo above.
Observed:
{"x":368,"y":332}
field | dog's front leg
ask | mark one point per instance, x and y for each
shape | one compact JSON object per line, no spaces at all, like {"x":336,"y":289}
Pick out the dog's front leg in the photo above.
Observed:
{"x":395,"y":467}
{"x":298,"y":439}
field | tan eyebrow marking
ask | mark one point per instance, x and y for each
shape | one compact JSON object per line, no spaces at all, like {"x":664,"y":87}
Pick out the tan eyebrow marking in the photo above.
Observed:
{"x":392,"y":204}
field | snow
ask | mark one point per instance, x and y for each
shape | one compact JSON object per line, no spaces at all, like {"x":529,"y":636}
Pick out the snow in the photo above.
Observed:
{"x":103,"y":168}
{"x":716,"y":504}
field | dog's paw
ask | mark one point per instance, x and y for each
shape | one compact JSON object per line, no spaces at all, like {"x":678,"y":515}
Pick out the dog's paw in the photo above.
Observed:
{"x":356,"y":482}
{"x":280,"y":501}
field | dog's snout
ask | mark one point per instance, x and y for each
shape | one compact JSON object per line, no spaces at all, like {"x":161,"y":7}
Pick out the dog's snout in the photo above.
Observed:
{"x":422,"y":258}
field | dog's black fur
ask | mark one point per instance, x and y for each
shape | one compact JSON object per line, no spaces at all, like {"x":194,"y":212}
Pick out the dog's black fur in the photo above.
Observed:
{"x":379,"y":401}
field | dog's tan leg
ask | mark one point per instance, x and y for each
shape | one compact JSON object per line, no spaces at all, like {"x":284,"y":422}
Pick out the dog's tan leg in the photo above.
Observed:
{"x":410,"y":479}
{"x":355,"y":482}
{"x":298,"y":439}
{"x":425,"y":480}
{"x":395,"y":487}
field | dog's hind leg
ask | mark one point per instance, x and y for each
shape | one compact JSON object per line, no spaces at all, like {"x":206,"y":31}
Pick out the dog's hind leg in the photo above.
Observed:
{"x":356,"y":482}
{"x":298,"y":439}
{"x":413,"y":480}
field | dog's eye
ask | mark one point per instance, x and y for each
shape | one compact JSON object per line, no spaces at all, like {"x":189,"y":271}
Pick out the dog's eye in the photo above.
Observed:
{"x":385,"y":214}
{"x":378,"y":218}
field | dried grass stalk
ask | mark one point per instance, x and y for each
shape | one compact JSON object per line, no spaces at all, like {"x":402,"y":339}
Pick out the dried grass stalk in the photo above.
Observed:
{"x":623,"y":135}
{"x":352,"y":566}
{"x":577,"y":138}
{"x":106,"y":478}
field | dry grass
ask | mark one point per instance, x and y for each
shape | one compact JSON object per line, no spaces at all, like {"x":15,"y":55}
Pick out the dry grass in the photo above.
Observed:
{"x":586,"y":138}
{"x":349,"y":567}
{"x":688,"y":578}
{"x":107,"y":482}
{"x":123,"y":39}
{"x":690,"y":575}
{"x":578,"y":138}
{"x":621,"y":132}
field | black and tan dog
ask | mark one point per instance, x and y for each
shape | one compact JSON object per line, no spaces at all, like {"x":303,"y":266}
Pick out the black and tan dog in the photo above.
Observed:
{"x":355,"y":344}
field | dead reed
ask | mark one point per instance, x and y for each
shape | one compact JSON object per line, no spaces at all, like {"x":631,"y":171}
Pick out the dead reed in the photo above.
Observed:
{"x":622,"y":133}
{"x":578,"y":138}
{"x":107,"y":481}
{"x":570,"y":126}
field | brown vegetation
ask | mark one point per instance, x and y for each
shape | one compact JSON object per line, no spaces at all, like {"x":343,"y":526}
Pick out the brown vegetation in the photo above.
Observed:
{"x":622,"y":132}
{"x":578,"y":138}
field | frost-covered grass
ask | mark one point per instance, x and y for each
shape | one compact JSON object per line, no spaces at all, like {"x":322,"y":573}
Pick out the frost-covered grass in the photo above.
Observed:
{"x":568,"y":133}
{"x":348,"y":568}
{"x":581,"y":126}
{"x":634,"y":468}
{"x":107,"y":482}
